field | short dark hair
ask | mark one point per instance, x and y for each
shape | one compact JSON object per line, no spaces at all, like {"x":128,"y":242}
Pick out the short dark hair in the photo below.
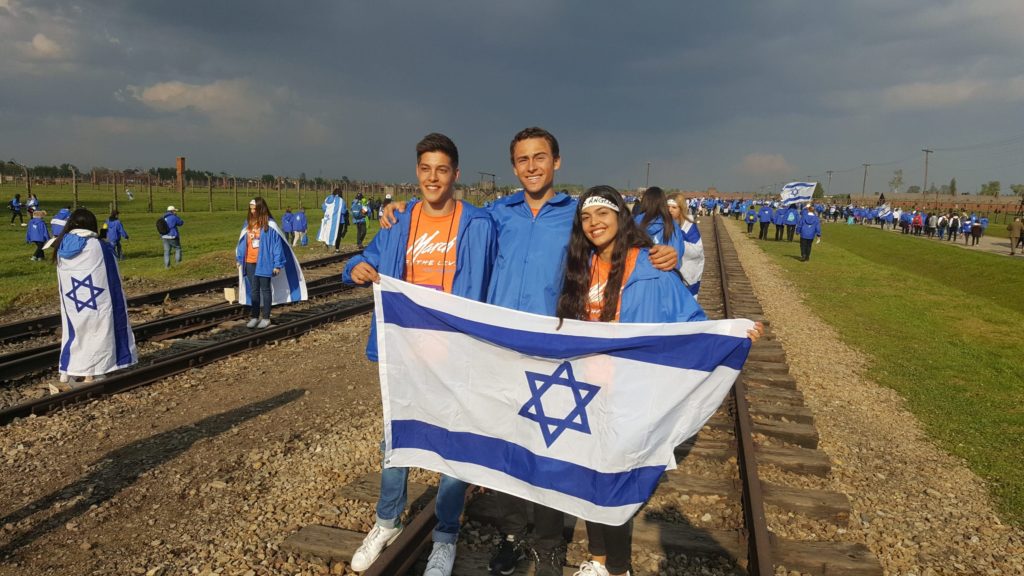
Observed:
{"x":437,"y":142}
{"x":533,"y":132}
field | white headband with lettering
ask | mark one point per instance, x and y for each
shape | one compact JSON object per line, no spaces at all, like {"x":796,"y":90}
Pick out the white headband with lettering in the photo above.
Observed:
{"x":672,"y":202}
{"x":599,"y":201}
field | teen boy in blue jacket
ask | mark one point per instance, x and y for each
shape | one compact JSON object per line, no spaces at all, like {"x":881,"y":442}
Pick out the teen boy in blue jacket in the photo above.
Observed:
{"x":810,"y":226}
{"x":172,"y":240}
{"x":764,"y":217}
{"x":411,"y":250}
{"x":779,"y":219}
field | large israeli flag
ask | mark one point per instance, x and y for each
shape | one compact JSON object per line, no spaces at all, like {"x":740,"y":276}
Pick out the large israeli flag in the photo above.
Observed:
{"x":288,"y":286}
{"x":798,"y":192}
{"x":96,"y":336}
{"x":583,"y":419}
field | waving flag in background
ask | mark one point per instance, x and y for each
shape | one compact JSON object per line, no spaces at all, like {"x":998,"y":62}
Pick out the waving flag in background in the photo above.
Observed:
{"x":798,"y":192}
{"x":583,"y":419}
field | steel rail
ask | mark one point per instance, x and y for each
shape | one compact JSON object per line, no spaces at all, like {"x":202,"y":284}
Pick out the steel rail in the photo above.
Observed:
{"x":45,"y":324}
{"x":17,"y":365}
{"x":759,"y":551}
{"x":143,"y":375}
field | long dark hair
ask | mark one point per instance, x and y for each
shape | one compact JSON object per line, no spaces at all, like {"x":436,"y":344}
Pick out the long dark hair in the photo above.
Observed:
{"x":572,"y":302}
{"x":262,"y":216}
{"x":654,"y":204}
{"x":79,"y":219}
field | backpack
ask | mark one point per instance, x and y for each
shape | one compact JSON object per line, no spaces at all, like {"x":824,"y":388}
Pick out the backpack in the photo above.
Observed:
{"x":162,"y":227}
{"x":791,"y":217}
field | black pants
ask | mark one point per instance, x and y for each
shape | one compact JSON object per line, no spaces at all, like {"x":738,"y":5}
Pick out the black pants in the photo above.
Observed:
{"x":39,"y":249}
{"x":337,"y":239}
{"x":763,"y":234}
{"x":789,"y":232}
{"x":750,"y":227}
{"x":547,"y":522}
{"x":778,"y":231}
{"x":805,"y":248}
{"x":953,"y":234}
{"x":615,"y":542}
{"x":360,"y":234}
{"x":17,"y":214}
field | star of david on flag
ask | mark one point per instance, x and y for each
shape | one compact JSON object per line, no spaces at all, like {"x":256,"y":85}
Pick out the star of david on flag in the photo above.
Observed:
{"x":550,"y":426}
{"x":93,"y":292}
{"x":589,"y":432}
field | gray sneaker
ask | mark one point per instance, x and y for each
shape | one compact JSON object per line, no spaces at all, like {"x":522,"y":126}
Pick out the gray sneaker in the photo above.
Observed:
{"x":442,"y":560}
{"x":264,"y":323}
{"x":549,"y":562}
{"x":252,"y":323}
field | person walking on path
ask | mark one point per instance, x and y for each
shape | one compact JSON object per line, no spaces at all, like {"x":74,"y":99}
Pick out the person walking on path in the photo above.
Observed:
{"x":37,"y":234}
{"x":170,"y":235}
{"x":97,"y":338}
{"x":359,"y":211}
{"x":269,"y":273}
{"x":764,"y":217}
{"x":115,"y":232}
{"x":15,"y":207}
{"x":1015,"y":230}
{"x":810,"y":226}
{"x":300,"y":225}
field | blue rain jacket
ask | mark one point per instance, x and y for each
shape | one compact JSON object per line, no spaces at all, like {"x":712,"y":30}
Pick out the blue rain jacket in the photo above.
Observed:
{"x":288,"y":222}
{"x":764,"y":214}
{"x":810,"y":226}
{"x":115,"y":231}
{"x":271,"y":252}
{"x":475,"y":254}
{"x":651,"y":295}
{"x":530,"y":263}
{"x":173,"y":221}
{"x":62,"y":214}
{"x":299,"y":224}
{"x":37,"y":231}
{"x":656,"y":230}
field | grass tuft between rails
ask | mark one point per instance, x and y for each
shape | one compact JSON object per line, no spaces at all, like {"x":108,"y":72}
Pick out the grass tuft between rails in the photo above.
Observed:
{"x":942,"y":325}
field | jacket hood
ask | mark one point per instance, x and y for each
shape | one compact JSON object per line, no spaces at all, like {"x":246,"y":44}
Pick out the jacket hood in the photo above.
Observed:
{"x":74,"y":242}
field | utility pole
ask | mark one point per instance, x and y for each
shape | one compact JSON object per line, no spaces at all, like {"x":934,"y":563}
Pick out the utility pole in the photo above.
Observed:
{"x":828,"y":191}
{"x":74,"y":186}
{"x":864,"y":185}
{"x":924,"y":187}
{"x":647,"y":181}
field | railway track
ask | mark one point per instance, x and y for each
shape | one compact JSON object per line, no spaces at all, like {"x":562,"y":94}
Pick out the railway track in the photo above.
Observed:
{"x":330,"y":301}
{"x":714,"y":513}
{"x":48,"y":324}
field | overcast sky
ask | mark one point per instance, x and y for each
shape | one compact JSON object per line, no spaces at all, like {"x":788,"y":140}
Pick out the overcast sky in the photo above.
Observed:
{"x":737,"y":95}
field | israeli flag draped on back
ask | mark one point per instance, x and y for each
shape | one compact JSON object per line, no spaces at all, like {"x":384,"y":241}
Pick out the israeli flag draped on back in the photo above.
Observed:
{"x":330,"y":224}
{"x":692,"y":267}
{"x":798,"y":192}
{"x":96,"y":337}
{"x":884,"y":210}
{"x":288,"y":286}
{"x":583,"y":419}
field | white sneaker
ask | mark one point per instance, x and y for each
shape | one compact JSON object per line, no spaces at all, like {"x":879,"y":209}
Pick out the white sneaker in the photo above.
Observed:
{"x":265,"y":323}
{"x":592,"y":568}
{"x":252,"y":322}
{"x":378,"y":538}
{"x":442,"y":560}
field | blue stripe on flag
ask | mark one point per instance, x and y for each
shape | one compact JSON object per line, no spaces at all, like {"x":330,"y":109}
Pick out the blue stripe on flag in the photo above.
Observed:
{"x":600,"y":488}
{"x":65,"y":353}
{"x":703,"y":352}
{"x":122,"y":346}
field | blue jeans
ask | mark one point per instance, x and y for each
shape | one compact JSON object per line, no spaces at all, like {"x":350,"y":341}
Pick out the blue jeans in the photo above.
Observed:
{"x":451,"y":496}
{"x":168,"y":244}
{"x":260,"y":296}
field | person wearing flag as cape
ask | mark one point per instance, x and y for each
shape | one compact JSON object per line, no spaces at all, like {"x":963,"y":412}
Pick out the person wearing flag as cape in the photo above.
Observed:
{"x":96,"y":338}
{"x":333,"y":224}
{"x":692,"y":268}
{"x":444,"y":244}
{"x":268,"y":271}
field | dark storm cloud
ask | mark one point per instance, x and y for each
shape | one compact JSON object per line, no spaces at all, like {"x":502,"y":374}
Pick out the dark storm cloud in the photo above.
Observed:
{"x":733,"y":94}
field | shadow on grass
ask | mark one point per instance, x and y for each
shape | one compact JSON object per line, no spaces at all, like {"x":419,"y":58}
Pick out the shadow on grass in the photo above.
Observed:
{"x":120,"y":468}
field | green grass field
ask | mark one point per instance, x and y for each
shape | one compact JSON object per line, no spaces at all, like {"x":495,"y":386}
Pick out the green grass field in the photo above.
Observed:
{"x":943,"y":326}
{"x":208,"y":240}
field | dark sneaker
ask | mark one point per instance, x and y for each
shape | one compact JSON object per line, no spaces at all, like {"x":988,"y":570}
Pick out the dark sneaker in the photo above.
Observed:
{"x":509,"y":553}
{"x":549,"y":562}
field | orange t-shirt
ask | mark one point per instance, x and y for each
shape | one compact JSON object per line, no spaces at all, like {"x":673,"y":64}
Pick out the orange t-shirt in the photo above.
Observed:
{"x":599,"y":271}
{"x":252,"y":245}
{"x":430,"y":253}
